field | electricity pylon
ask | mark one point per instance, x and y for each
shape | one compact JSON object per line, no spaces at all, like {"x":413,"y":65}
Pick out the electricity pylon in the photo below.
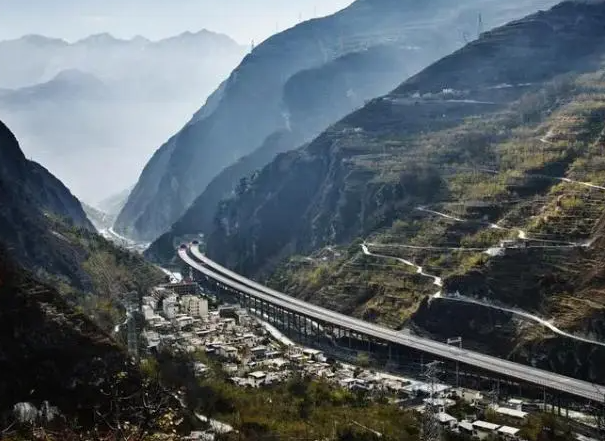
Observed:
{"x":430,"y":428}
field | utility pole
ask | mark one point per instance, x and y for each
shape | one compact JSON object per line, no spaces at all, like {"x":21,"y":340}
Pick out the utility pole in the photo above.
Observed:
{"x":430,"y":430}
{"x":451,"y":341}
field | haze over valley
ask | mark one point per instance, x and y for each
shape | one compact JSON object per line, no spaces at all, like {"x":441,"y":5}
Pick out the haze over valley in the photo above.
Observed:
{"x":93,"y":110}
{"x":306,"y":79}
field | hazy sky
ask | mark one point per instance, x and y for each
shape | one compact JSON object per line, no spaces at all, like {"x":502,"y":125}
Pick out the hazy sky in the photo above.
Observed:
{"x":243,"y":20}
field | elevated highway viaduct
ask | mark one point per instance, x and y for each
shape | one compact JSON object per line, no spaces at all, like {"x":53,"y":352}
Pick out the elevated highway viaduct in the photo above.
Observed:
{"x":313,"y":321}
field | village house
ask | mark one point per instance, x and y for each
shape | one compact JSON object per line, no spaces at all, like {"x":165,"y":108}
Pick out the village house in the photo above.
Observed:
{"x":257,"y":378}
{"x":194,"y":306}
{"x":446,"y":421}
{"x":228,"y":352}
{"x":259,"y":352}
{"x":230,"y":368}
{"x":467,"y":428}
{"x":484,"y":430}
{"x":508,"y":433}
{"x":512,"y":413}
{"x":314,"y":355}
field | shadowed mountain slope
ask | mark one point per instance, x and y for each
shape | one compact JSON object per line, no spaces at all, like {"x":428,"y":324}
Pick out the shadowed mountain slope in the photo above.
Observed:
{"x":265,"y":95}
{"x":484,"y":170}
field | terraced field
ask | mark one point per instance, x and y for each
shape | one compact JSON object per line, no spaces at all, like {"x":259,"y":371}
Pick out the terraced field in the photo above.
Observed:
{"x":476,"y":174}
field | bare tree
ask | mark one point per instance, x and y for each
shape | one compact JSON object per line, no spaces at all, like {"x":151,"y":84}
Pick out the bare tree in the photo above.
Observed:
{"x":134,"y":415}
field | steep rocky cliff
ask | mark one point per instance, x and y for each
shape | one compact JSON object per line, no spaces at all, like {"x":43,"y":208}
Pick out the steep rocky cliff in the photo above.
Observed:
{"x":481,"y":176}
{"x":256,"y":101}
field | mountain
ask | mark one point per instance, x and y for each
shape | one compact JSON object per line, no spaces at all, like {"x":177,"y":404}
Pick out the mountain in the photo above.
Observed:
{"x":25,"y":60}
{"x":312,"y":98}
{"x":279,"y":86}
{"x":113,"y":204}
{"x":60,"y":284}
{"x":66,"y":86}
{"x":35,"y":59}
{"x":45,"y":229}
{"x":478,"y":188}
{"x":57,"y":362}
{"x":28,"y":183}
{"x":100,"y":219}
{"x":103,"y":103}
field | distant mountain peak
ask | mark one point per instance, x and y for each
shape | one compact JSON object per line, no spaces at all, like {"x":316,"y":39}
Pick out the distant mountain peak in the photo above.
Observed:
{"x":102,"y":38}
{"x":195,"y":37}
{"x":201,"y":32}
{"x":140,"y":39}
{"x":76,"y":77}
{"x":41,"y":40}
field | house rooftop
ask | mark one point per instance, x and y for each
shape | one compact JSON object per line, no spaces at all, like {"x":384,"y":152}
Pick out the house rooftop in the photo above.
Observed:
{"x":485,"y":425}
{"x":507,"y":430}
{"x":511,"y":412}
{"x":439,"y":402}
{"x":466,"y":426}
{"x":347,"y":380}
{"x":443,"y":417}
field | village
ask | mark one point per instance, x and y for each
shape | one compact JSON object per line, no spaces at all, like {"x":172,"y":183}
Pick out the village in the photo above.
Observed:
{"x":178,"y":317}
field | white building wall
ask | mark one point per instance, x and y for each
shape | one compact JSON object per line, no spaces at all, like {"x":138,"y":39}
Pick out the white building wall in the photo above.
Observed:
{"x":147,"y":312}
{"x":195,"y":306}
{"x":170,"y":307}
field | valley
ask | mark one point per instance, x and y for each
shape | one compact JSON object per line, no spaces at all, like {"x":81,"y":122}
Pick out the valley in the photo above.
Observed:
{"x":384,"y":223}
{"x":92,"y":110}
{"x":338,"y":63}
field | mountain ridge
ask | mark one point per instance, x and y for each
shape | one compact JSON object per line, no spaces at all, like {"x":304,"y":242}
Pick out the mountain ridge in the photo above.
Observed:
{"x":311,"y":97}
{"x":472,"y":153}
{"x":47,"y":232}
{"x":184,"y":166}
{"x":124,"y":98}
